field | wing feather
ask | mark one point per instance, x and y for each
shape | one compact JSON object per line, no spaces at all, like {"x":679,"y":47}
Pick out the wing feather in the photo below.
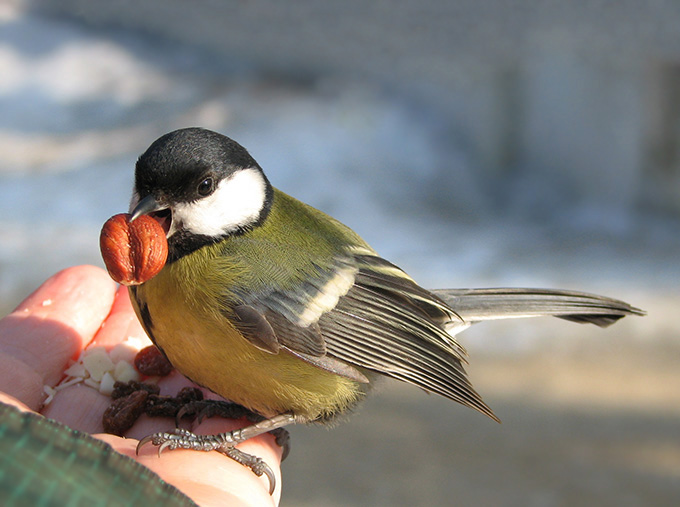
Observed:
{"x":398,"y":344}
{"x":364,"y":311}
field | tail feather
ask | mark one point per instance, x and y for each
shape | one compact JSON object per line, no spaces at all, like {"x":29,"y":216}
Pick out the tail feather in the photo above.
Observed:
{"x":474,"y":305}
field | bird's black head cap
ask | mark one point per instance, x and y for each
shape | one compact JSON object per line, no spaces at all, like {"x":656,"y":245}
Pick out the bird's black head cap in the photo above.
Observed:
{"x":182,"y":169}
{"x":176,"y":160}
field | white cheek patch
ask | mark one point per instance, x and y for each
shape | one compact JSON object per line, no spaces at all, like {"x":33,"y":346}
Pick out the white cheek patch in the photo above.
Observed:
{"x":237,"y":202}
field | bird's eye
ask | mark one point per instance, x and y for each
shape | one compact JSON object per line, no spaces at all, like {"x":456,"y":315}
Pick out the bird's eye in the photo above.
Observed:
{"x":206,"y":187}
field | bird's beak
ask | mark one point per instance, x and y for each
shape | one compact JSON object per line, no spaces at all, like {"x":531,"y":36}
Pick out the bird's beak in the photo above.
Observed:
{"x":160,"y":212}
{"x":147,"y":205}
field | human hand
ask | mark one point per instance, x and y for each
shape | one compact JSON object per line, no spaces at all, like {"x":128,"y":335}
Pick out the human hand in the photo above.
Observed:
{"x":81,"y":307}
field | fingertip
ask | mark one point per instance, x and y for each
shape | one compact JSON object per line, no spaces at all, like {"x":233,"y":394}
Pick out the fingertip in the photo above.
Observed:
{"x":56,"y":321}
{"x":69,"y":286}
{"x":78,"y":298}
{"x":86,"y":271}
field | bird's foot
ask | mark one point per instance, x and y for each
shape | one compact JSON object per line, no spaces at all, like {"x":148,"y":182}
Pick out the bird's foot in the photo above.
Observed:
{"x":224,"y":443}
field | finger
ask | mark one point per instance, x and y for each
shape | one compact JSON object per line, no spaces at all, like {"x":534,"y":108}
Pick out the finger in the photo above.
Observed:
{"x":49,"y":327}
{"x":81,"y":406}
{"x":210,"y":477}
{"x":121,"y":324}
{"x":263,"y":446}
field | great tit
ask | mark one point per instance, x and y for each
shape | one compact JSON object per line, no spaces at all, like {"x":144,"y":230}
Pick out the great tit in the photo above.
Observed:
{"x":278,"y":307}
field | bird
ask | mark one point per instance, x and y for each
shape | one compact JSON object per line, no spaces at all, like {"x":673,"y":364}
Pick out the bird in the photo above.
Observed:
{"x":278,"y":307}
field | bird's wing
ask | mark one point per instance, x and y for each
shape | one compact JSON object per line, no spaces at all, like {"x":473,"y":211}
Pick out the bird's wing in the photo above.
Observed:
{"x":388,"y":323}
{"x":364,"y":311}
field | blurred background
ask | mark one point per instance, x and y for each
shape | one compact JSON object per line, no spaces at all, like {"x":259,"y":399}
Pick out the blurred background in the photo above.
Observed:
{"x":473,"y":143}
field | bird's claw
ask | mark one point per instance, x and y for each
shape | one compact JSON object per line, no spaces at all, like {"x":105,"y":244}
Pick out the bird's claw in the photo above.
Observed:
{"x":224,"y":443}
{"x":257,"y":465}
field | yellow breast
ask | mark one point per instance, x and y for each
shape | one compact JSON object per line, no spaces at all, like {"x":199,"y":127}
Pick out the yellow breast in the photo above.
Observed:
{"x":185,"y":313}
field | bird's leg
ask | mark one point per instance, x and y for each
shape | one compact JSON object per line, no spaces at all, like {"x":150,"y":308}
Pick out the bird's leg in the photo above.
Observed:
{"x":224,"y":443}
